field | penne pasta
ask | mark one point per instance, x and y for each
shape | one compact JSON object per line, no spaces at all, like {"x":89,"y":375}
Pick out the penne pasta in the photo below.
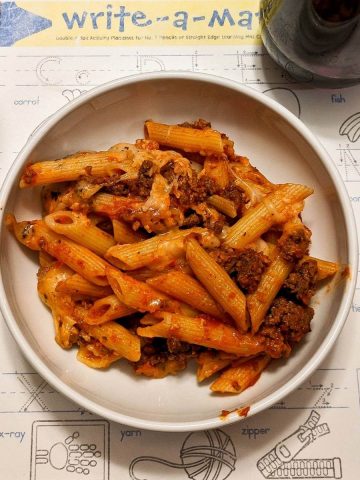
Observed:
{"x":80,"y":229}
{"x":217,"y":282}
{"x":85,"y":189}
{"x":275,"y":208}
{"x":140,"y":296}
{"x":185,"y":288}
{"x":106,"y":309}
{"x":78,"y":285}
{"x":161,"y":248}
{"x":62,"y":307}
{"x":94,"y":356}
{"x":187,"y":139}
{"x":73,"y":167}
{"x":37,"y":236}
{"x":325,"y":268}
{"x":259,"y":302}
{"x":113,"y":205}
{"x":125,"y":234}
{"x":116,"y":338}
{"x":223,"y":205}
{"x":203,"y":331}
{"x":218,"y":169}
{"x":211,"y":362}
{"x":238,"y":378}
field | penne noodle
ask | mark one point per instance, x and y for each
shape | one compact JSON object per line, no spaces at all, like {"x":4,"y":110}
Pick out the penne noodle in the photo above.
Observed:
{"x":161,"y":248}
{"x":171,"y":366}
{"x":73,"y":167}
{"x":142,"y":297}
{"x":94,"y":357}
{"x":223,"y":205}
{"x":37,"y":236}
{"x":80,"y":229}
{"x":217,"y":168}
{"x":78,"y":285}
{"x":116,"y":338}
{"x":185,"y":288}
{"x":217,"y":282}
{"x":187,"y":139}
{"x":123,"y":233}
{"x":236,"y":379}
{"x":113,"y":205}
{"x":85,"y":189}
{"x":106,"y":309}
{"x":45,"y":260}
{"x":61,"y":306}
{"x":203,"y":331}
{"x":276,"y":207}
{"x":325,"y":268}
{"x":211,"y":362}
{"x":259,"y":302}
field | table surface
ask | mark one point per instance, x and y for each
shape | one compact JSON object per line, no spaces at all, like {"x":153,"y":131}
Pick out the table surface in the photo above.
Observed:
{"x":46,"y":60}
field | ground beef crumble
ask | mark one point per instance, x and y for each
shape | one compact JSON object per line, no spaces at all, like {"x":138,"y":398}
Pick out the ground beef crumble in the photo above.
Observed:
{"x":294,"y":244}
{"x":245,"y":267}
{"x":285,"y":325}
{"x":199,"y":124}
{"x":158,"y":350}
{"x":301,"y":283}
{"x":140,"y":187}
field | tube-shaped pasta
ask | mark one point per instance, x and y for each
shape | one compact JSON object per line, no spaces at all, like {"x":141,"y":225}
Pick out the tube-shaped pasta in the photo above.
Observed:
{"x":223,"y":205}
{"x":187,"y":139}
{"x":140,"y":296}
{"x":94,"y":357}
{"x":259,"y":302}
{"x":113,"y":205}
{"x":203,"y":331}
{"x":217,"y":282}
{"x":117,"y":338}
{"x":78,"y":285}
{"x":218,"y":169}
{"x":86,"y":189}
{"x":325,"y":268}
{"x":123,"y":233}
{"x":238,"y":378}
{"x":106,"y":309}
{"x":45,"y":260}
{"x":37,"y":236}
{"x":161,"y":248}
{"x":81,"y":230}
{"x":185,"y":288}
{"x":211,"y":362}
{"x":276,"y":207}
{"x":73,"y":167}
{"x":61,"y":305}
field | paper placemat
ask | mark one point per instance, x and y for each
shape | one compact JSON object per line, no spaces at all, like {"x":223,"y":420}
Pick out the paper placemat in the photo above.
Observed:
{"x":51,"y":52}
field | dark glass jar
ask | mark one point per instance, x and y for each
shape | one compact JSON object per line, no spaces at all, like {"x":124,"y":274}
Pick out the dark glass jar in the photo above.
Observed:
{"x":314,"y":40}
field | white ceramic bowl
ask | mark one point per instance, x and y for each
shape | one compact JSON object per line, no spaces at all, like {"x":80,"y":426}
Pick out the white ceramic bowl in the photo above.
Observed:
{"x":276,"y":142}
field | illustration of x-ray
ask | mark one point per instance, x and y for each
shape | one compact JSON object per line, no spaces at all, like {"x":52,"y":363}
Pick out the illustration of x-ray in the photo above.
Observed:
{"x":63,"y":448}
{"x":208,"y":455}
{"x":281,"y":461}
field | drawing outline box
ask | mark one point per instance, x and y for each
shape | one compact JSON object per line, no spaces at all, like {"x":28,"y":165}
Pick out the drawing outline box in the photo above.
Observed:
{"x":69,"y":449}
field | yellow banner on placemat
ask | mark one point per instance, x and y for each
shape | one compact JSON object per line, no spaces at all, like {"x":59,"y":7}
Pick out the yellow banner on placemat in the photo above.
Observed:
{"x":146,"y":22}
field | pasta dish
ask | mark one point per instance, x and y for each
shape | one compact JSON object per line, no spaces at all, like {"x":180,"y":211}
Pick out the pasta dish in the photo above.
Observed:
{"x":173,"y":249}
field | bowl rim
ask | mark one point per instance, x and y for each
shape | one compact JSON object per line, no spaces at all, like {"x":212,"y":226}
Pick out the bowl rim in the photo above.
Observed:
{"x":351,"y":237}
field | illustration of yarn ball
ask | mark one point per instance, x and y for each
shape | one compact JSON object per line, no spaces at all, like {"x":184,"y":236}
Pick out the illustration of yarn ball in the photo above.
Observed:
{"x":208,"y":455}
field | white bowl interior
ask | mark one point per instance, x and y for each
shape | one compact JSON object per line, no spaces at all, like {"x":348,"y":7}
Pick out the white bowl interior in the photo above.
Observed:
{"x":274,"y":146}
